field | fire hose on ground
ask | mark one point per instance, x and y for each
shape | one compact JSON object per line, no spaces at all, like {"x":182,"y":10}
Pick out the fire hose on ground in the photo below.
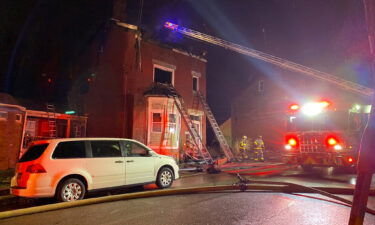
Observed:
{"x":242,"y":185}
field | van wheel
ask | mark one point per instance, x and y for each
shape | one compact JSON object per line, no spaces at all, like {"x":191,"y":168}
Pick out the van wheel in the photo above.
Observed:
{"x":164,"y":178}
{"x":71,"y":189}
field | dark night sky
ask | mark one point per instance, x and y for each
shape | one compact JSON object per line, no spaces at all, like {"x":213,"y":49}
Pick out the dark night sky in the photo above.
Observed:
{"x":325,"y":34}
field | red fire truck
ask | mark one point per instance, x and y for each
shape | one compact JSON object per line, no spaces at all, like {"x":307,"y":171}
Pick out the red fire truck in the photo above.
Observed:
{"x":322,"y":134}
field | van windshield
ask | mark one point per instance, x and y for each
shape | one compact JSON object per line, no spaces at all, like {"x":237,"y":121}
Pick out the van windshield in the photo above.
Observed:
{"x":33,"y":152}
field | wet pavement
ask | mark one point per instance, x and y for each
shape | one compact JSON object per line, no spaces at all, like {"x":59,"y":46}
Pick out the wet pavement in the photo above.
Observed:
{"x":211,"y":208}
{"x":318,"y":177}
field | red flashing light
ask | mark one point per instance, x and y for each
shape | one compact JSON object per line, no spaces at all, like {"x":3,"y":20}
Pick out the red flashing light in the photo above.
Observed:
{"x":294,"y":107}
{"x":325,"y":104}
{"x":170,"y":25}
{"x":350,"y":160}
{"x":331,"y":141}
{"x":35,"y":168}
{"x":292,"y":142}
{"x":49,"y":80}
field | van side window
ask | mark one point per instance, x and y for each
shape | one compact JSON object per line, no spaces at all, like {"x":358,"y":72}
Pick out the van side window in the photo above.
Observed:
{"x":133,"y":149}
{"x":69,"y":150}
{"x":105,"y":149}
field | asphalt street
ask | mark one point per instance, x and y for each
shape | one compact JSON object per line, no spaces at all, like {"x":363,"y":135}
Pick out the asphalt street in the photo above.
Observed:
{"x":213,"y":208}
{"x":319,"y":177}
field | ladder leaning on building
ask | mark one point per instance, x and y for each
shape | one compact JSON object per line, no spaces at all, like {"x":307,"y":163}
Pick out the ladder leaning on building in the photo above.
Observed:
{"x":196,"y":138}
{"x":51,"y":116}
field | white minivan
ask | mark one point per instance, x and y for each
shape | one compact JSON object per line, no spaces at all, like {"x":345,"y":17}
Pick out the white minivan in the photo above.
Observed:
{"x":68,"y":168}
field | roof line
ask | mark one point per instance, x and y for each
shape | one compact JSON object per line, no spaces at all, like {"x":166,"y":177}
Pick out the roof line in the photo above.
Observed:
{"x":13,"y":106}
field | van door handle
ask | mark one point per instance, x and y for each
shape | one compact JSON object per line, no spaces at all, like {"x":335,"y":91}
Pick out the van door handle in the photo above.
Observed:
{"x":129,"y":160}
{"x":119,"y":161}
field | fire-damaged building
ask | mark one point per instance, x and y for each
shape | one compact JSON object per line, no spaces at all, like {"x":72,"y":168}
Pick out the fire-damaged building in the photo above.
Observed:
{"x":129,"y":94}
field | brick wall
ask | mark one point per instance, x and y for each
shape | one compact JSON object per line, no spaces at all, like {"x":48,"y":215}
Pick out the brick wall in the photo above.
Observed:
{"x":10,"y":136}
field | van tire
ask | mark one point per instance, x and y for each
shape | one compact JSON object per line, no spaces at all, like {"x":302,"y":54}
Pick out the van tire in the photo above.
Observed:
{"x":71,"y":189}
{"x":164,"y":178}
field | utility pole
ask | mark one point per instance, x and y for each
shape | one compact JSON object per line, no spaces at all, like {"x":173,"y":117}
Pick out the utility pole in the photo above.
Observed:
{"x":366,"y":159}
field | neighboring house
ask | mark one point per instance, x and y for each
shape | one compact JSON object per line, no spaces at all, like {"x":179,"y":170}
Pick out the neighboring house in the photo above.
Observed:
{"x":19,"y":126}
{"x":262,"y":108}
{"x":125,"y":97}
{"x":226,"y":129}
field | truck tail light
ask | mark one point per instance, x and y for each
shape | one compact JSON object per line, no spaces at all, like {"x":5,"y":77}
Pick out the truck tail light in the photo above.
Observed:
{"x":35,"y":168}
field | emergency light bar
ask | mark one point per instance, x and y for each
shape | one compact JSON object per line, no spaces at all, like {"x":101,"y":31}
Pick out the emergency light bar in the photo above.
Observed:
{"x":170,"y":26}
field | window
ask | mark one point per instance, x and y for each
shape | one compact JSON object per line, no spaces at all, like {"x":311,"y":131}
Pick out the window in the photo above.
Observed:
{"x":69,"y":150}
{"x":105,"y":149}
{"x":164,"y":76}
{"x":196,"y":118}
{"x":3,"y":115}
{"x":34,"y":152}
{"x":260,"y":86}
{"x":195,"y":84}
{"x":172,"y":123}
{"x":156,"y":122}
{"x":133,"y":149}
{"x":18,"y":118}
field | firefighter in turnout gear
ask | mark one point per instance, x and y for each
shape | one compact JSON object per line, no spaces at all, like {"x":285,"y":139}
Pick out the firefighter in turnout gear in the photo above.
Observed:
{"x":258,"y":148}
{"x":244,"y":148}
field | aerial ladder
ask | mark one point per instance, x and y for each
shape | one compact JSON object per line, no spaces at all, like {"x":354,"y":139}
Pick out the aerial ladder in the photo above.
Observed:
{"x":285,"y":64}
{"x":291,"y":66}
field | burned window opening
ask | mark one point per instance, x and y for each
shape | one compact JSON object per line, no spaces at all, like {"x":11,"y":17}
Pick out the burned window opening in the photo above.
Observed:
{"x":162,"y":76}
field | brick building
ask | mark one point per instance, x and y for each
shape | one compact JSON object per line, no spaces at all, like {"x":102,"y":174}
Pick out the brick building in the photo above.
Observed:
{"x":125,"y":98}
{"x":262,"y":108}
{"x":19,"y":126}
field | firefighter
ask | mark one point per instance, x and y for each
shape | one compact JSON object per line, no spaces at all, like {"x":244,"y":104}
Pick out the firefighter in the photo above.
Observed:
{"x":258,"y":148}
{"x":244,"y":147}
